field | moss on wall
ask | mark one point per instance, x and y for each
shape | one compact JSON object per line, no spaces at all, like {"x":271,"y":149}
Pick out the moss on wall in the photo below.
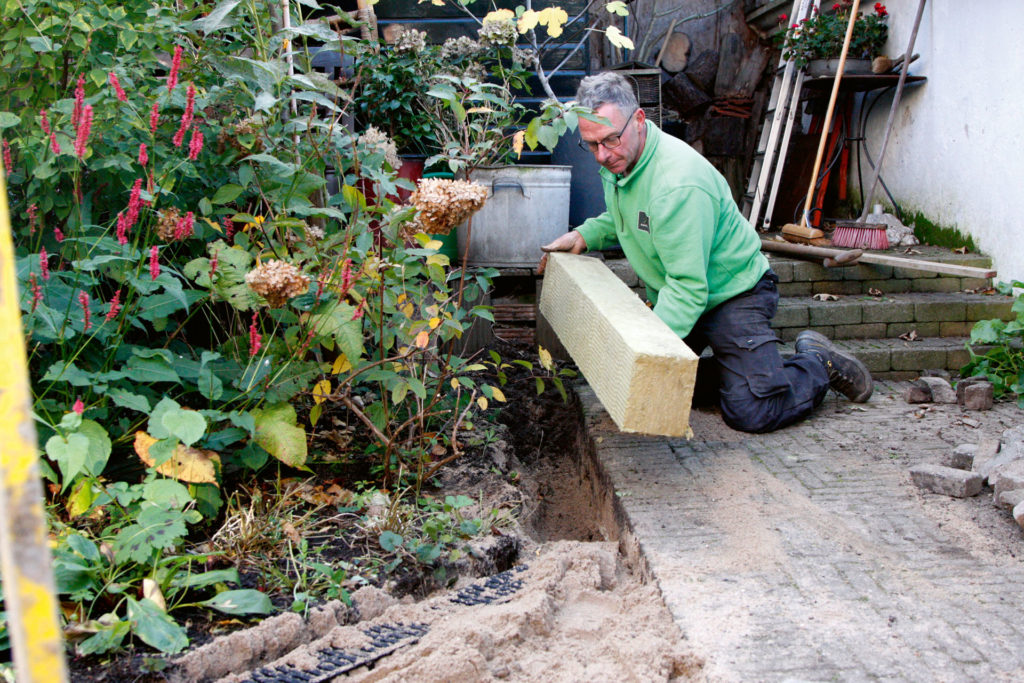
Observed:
{"x":930,"y":232}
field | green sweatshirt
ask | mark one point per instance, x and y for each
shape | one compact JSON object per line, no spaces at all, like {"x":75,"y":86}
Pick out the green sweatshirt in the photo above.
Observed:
{"x":674,"y":217}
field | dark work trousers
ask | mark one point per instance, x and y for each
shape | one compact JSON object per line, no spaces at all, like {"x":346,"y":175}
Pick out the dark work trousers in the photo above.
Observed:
{"x":758,"y":391}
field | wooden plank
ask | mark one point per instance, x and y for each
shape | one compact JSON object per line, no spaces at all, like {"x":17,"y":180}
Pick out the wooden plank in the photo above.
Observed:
{"x":879,"y":259}
{"x":641,"y":371}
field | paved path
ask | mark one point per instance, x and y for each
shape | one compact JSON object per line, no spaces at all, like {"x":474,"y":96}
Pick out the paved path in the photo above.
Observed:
{"x":808,"y":555}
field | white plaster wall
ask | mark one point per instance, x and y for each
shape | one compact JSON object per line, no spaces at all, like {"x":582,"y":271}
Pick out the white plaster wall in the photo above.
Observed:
{"x":956,"y":152}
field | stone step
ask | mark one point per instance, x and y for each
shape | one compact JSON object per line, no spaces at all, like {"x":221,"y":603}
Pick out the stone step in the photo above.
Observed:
{"x":896,"y":359}
{"x":864,"y":317}
{"x":803,"y":278}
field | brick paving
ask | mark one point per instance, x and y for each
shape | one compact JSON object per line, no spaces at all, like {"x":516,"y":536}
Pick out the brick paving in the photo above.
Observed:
{"x":808,"y":554}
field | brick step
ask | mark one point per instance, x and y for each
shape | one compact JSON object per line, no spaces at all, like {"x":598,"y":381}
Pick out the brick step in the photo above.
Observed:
{"x":866,"y":317}
{"x":804,"y":278}
{"x":896,"y":359}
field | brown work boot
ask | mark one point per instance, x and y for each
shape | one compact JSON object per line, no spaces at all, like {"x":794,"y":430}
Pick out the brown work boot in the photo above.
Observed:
{"x":846,"y":374}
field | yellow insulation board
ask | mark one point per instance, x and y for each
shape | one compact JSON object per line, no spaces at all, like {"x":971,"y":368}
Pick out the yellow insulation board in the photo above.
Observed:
{"x":640,"y":370}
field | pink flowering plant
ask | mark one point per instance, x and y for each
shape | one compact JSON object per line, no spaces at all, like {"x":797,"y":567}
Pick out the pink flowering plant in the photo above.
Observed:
{"x":821,"y":35}
{"x":192,"y":291}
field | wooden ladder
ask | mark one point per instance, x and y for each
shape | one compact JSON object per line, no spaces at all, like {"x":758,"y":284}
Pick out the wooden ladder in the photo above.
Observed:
{"x":766,"y":170}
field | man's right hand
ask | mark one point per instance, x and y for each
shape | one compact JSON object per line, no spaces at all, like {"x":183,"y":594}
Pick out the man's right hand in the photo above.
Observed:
{"x":572,"y":242}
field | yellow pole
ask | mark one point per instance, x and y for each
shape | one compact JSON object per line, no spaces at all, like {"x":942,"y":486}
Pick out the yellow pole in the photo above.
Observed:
{"x":36,"y":641}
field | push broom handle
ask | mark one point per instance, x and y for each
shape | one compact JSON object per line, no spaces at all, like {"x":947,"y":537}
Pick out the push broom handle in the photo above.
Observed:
{"x":892,"y":111}
{"x":828,"y":112}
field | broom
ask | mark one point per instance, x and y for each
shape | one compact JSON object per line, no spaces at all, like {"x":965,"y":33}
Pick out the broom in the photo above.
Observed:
{"x":803,"y":232}
{"x":860,"y":234}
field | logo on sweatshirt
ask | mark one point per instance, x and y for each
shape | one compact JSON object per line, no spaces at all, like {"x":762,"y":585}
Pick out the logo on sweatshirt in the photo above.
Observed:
{"x":644,"y":223}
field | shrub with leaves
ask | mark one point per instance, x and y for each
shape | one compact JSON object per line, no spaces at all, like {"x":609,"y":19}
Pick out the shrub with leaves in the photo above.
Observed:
{"x":997,"y":350}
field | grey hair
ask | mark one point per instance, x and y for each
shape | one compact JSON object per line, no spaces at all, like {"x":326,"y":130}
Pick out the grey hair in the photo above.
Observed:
{"x":607,"y":87}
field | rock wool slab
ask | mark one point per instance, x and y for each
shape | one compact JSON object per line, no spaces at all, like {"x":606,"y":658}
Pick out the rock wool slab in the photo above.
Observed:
{"x":641,"y":371}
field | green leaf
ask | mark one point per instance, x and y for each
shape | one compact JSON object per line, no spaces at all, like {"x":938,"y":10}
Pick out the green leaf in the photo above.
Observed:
{"x":155,"y":627}
{"x":166,"y":492}
{"x":70,"y":455}
{"x":126,"y":399}
{"x":227,"y":193}
{"x":217,"y":19}
{"x":99,"y":447}
{"x":7,"y":119}
{"x":109,"y":637}
{"x":244,"y":601}
{"x":337,"y":324}
{"x":188,"y":425}
{"x":390,"y":541}
{"x":155,"y":529}
{"x":209,"y":384}
{"x":428,"y":552}
{"x":149,"y":370}
{"x":40,"y":43}
{"x":157,"y":429}
{"x":278,"y":434}
{"x":201,"y":579}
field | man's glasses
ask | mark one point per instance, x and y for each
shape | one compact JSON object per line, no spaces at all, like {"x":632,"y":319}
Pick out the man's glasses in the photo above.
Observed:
{"x":610,"y":142}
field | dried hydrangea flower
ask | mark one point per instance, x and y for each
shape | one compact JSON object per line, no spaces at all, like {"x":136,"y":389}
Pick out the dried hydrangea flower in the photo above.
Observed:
{"x":277,"y":281}
{"x":443,"y":204}
{"x":167,"y":223}
{"x":455,"y":48}
{"x":411,"y":40}
{"x":498,"y":32}
{"x":379,"y":142}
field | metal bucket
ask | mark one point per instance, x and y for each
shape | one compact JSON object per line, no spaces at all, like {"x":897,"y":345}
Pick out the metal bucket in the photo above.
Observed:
{"x":528,"y":206}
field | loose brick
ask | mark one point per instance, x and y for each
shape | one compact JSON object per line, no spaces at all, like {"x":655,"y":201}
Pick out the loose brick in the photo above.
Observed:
{"x":975,"y":283}
{"x":1009,"y":499}
{"x":963,"y":456}
{"x":946,"y":480}
{"x":890,"y":286}
{"x":813,"y":272}
{"x":642,"y":371}
{"x":918,"y":392}
{"x":867,"y":271}
{"x":1018,"y":514}
{"x":1007,"y":477}
{"x":955,"y":329}
{"x":978,"y":396}
{"x":784,"y":269}
{"x":894,"y":330}
{"x":942,"y":392}
{"x":988,"y":450}
{"x":841,"y":288}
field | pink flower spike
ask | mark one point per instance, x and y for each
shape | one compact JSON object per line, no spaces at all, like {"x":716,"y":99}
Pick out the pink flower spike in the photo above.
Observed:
{"x":54,"y":145}
{"x":186,"y":116}
{"x":79,"y":407}
{"x":134,"y":203}
{"x":44,"y":121}
{"x":122,"y":229}
{"x":58,"y":235}
{"x":44,"y":264}
{"x":195,"y":145}
{"x":255,"y":338}
{"x":8,"y":163}
{"x":83,"y":299}
{"x":172,"y":77}
{"x":154,"y":264}
{"x":118,"y":90}
{"x":184,"y":228}
{"x":37,"y":292}
{"x":85,"y":124}
{"x":154,"y":118}
{"x":115,"y":306}
{"x":229,"y":228}
{"x":213,"y":265}
{"x":76,"y":113}
{"x":33,"y":218}
{"x":143,"y":155}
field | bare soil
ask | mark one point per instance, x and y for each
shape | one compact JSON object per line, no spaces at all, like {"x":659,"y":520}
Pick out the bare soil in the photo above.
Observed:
{"x":582,"y":612}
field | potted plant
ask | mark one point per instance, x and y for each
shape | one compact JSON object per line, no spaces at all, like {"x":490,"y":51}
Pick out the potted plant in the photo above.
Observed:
{"x":812,"y":42}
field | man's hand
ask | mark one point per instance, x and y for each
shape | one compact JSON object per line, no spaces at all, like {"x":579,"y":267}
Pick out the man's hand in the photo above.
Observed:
{"x":572,"y":242}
